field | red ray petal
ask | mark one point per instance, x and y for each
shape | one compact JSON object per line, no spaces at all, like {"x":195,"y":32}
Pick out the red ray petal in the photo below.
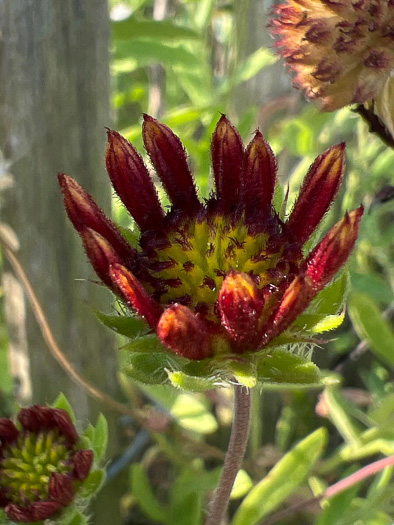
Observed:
{"x":227,"y":156}
{"x":259,"y":174}
{"x":132,"y":182}
{"x":135,"y":295}
{"x":184,"y":333}
{"x":170,"y":161}
{"x":317,"y":192}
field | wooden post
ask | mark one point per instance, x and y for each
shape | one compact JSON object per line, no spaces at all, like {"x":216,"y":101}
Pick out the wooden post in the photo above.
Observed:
{"x":54,"y":105}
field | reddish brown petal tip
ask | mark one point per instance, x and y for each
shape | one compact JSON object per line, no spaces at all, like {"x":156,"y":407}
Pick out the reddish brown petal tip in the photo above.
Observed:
{"x":240,"y":308}
{"x":317,"y":192}
{"x":8,"y":431}
{"x":333,"y":251}
{"x":259,"y":173}
{"x":135,"y":295}
{"x":132,"y":182}
{"x":184,"y":333}
{"x":61,"y":489}
{"x":101,"y":255}
{"x":169,"y":158}
{"x":83,"y":461}
{"x":227,"y":156}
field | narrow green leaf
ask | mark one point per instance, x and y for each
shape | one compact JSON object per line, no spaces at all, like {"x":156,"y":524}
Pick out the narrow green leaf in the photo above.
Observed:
{"x":152,"y":29}
{"x":282,"y":480}
{"x":129,"y":326}
{"x":191,"y":383}
{"x":338,"y":413}
{"x":148,"y":343}
{"x":62,"y":402}
{"x":100,"y":440}
{"x":142,"y":491}
{"x":369,"y":324}
{"x":242,"y":485}
{"x":255,"y":62}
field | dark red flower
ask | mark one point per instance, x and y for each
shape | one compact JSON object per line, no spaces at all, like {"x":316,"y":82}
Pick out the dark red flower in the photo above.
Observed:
{"x":40,"y":466}
{"x":221,"y":277}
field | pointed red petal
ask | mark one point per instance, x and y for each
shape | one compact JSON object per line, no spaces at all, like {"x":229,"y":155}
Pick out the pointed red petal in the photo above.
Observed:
{"x":181,"y":331}
{"x":19,"y":514}
{"x":61,"y":489}
{"x":333,"y":251}
{"x":84,"y":213}
{"x":101,"y":254}
{"x":42,"y":510}
{"x":295,"y":300}
{"x":132,"y":182}
{"x":8,"y":431}
{"x":63,"y":422}
{"x":83,"y":461}
{"x":259,"y":174}
{"x":227,"y":157}
{"x":169,"y":158}
{"x":135,"y":295}
{"x":317,"y":192}
{"x":240,"y":308}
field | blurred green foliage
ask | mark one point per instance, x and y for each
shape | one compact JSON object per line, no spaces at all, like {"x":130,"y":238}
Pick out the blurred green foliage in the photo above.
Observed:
{"x":182,"y":65}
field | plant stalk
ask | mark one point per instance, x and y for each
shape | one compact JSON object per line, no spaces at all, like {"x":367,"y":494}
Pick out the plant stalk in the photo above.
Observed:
{"x":234,"y":455}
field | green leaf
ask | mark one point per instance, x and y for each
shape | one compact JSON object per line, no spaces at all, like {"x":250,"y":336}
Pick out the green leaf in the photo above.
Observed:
{"x":191,"y":383}
{"x":369,"y":324}
{"x":62,"y":402}
{"x":72,"y":516}
{"x":129,"y":326}
{"x":373,"y":285}
{"x":130,"y":55}
{"x":339,"y":505}
{"x":149,"y":369}
{"x":142,"y":492}
{"x":242,"y":485}
{"x":186,"y":510}
{"x":100,"y":438}
{"x":92,"y":483}
{"x":165,"y":30}
{"x":282,"y":366}
{"x":337,"y":408}
{"x":255,"y":62}
{"x":283,"y":479}
{"x":145,"y":344}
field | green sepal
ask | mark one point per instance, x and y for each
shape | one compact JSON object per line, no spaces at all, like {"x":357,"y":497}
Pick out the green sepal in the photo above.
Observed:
{"x":149,"y":369}
{"x":92,"y":483}
{"x":97,"y":437}
{"x":181,"y":380}
{"x":244,"y":371}
{"x":62,"y":402}
{"x":149,"y":343}
{"x":129,"y":326}
{"x":282,"y":366}
{"x":72,"y":516}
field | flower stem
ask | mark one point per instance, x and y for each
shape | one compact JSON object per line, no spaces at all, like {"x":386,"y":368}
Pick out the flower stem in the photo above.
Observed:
{"x":234,"y":455}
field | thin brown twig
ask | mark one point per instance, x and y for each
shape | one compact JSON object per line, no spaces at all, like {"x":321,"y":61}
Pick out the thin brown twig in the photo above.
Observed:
{"x":375,"y":124}
{"x":54,"y":347}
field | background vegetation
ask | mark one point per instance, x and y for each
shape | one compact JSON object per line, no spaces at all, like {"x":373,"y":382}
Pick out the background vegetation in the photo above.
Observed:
{"x":185,"y":61}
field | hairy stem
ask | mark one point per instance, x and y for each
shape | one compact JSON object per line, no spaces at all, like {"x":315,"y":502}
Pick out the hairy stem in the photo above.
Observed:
{"x":234,"y":455}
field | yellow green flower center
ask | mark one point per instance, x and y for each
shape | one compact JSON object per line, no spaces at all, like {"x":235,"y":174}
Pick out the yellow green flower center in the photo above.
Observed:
{"x":197,"y":256}
{"x":28,"y":463}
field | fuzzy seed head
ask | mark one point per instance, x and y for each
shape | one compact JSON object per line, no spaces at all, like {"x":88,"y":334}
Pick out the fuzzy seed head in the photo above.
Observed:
{"x":342,"y":52}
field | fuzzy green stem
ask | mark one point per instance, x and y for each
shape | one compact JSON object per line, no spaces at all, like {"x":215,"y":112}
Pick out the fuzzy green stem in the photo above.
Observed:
{"x":234,"y":455}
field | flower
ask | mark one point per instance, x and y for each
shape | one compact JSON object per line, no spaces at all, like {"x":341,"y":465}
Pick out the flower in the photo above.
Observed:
{"x":41,"y":465}
{"x":342,"y":51}
{"x":219,"y":278}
